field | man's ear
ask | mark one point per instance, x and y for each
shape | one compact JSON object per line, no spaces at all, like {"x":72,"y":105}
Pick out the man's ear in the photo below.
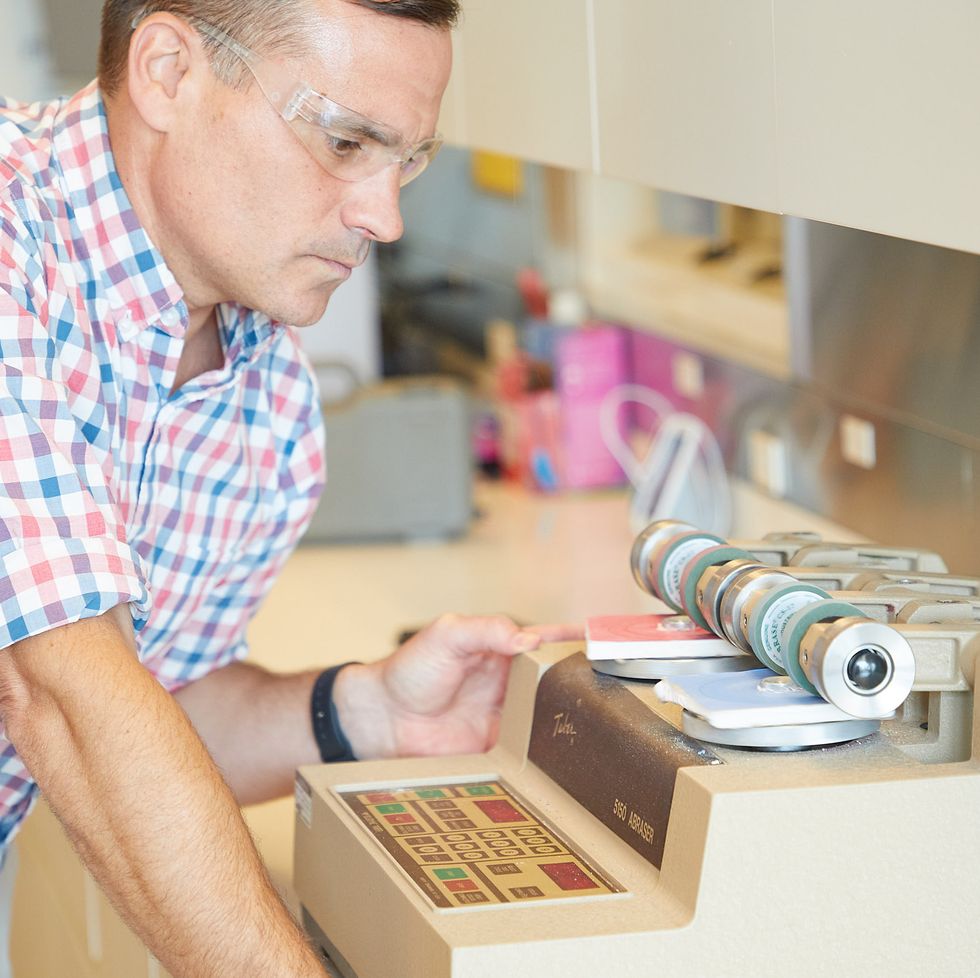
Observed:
{"x":166,"y":66}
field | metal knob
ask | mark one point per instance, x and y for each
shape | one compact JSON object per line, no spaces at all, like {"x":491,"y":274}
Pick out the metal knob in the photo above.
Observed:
{"x":863,"y":667}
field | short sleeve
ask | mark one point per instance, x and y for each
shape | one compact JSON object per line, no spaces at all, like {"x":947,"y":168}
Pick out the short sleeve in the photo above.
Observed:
{"x":63,"y":549}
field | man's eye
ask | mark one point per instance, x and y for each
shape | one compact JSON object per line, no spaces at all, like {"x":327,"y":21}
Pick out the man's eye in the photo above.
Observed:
{"x":342,"y":148}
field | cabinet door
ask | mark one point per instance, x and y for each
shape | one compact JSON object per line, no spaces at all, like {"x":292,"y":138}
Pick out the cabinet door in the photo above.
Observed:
{"x":523,"y":79}
{"x":685,"y":97}
{"x":879,"y":115}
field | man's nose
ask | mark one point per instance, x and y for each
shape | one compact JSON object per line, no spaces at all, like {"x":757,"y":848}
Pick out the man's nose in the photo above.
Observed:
{"x":373,"y":209}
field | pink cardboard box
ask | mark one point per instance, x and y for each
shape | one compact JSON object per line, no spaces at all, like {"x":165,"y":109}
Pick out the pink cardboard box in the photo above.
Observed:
{"x":590,"y":362}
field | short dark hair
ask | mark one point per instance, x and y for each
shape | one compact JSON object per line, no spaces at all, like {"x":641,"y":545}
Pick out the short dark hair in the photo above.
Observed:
{"x":268,"y":26}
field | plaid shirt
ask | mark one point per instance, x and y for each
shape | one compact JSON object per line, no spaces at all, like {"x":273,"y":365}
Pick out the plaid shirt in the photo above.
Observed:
{"x":111,"y":489}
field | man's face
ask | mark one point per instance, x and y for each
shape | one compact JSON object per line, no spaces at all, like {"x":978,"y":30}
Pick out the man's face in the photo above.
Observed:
{"x":249,"y":216}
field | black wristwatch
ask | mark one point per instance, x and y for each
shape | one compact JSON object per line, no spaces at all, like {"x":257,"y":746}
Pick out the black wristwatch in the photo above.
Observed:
{"x":334,"y":745}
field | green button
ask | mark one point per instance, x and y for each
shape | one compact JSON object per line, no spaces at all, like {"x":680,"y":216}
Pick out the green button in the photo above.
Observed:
{"x":391,"y":809}
{"x":450,"y":874}
{"x":480,"y":789}
{"x":432,"y":793}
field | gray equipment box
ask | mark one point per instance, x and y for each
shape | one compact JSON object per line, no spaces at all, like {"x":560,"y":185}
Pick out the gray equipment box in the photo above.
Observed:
{"x":398,"y":463}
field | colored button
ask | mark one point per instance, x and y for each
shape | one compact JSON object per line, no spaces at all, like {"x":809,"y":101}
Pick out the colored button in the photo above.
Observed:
{"x":391,"y":809}
{"x":399,"y":819}
{"x":379,"y":798}
{"x":500,"y":811}
{"x":460,"y":886}
{"x":451,"y":874}
{"x":432,"y":793}
{"x":480,"y":789}
{"x":568,"y":876}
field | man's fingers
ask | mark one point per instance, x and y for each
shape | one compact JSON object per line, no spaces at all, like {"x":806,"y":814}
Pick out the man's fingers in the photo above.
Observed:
{"x":469,"y":636}
{"x":568,"y":632}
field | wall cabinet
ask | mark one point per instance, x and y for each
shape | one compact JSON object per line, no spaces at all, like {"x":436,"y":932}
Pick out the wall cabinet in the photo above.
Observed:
{"x":684,"y":96}
{"x":879,"y":116}
{"x":523,"y":81}
{"x":863,"y":113}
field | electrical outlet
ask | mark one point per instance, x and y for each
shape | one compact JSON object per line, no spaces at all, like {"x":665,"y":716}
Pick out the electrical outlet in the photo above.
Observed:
{"x":857,"y":441}
{"x":687,"y":371}
{"x":767,"y":462}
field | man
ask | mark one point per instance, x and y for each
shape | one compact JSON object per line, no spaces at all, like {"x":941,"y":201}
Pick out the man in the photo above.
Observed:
{"x":160,"y":445}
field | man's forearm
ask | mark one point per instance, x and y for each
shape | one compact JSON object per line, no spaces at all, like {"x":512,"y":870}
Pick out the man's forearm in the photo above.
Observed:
{"x":256,"y":725}
{"x":143,"y":804}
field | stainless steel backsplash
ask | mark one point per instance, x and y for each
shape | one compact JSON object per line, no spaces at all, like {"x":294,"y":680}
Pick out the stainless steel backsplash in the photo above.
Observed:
{"x":886,"y":330}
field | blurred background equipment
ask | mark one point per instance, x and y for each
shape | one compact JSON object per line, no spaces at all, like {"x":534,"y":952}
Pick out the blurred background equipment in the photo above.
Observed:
{"x":349,"y":333}
{"x":398,"y":463}
{"x":680,"y":471}
{"x":26,"y":71}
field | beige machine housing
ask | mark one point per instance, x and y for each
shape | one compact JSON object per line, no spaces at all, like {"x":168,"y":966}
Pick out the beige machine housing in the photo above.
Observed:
{"x":860,"y":859}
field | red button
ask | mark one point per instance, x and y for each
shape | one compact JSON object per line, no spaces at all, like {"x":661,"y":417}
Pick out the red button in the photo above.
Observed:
{"x":399,"y":819}
{"x":500,"y":811}
{"x":380,"y":798}
{"x":459,"y":886}
{"x":568,"y":876}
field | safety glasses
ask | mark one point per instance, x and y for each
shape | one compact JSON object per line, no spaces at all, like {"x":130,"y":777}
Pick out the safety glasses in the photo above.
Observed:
{"x":345,"y":143}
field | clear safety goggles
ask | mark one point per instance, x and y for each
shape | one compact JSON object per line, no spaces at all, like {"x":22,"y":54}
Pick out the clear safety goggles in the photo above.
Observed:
{"x":345,"y":143}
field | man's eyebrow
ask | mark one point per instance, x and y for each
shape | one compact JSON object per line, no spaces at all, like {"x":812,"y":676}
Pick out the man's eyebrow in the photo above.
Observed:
{"x":333,"y":115}
{"x":366,"y":130}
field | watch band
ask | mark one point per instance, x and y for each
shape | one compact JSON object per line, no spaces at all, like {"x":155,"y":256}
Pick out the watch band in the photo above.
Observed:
{"x":333,"y":744}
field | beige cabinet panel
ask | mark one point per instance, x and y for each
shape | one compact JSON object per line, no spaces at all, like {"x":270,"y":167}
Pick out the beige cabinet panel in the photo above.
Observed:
{"x":879,"y":115}
{"x":685,"y":97}
{"x":523,"y":74}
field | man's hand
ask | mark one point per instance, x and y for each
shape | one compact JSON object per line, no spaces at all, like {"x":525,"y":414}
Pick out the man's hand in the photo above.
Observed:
{"x":441,"y":692}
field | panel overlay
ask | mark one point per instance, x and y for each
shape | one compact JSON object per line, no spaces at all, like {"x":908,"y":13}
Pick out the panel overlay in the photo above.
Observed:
{"x":469,"y":844}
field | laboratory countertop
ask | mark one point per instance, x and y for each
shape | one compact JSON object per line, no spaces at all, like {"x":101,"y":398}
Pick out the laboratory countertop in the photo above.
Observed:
{"x":536,"y":558}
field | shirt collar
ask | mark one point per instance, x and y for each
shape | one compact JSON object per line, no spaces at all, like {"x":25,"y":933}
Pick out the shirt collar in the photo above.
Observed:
{"x":140,"y":287}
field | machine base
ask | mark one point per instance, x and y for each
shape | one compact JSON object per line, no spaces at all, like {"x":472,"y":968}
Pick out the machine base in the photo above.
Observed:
{"x":334,"y":962}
